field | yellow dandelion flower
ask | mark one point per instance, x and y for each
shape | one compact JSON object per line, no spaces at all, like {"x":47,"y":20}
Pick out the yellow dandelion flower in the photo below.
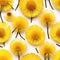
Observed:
{"x":20,"y":24}
{"x":56,"y":56}
{"x":5,"y":55}
{"x":18,"y":47}
{"x":31,"y":8}
{"x":5,"y":5}
{"x":47,"y":49}
{"x":55,"y":32}
{"x":9,"y":16}
{"x":35,"y":35}
{"x":31,"y":56}
{"x":56,"y":4}
{"x":5,"y":32}
{"x":47,"y":18}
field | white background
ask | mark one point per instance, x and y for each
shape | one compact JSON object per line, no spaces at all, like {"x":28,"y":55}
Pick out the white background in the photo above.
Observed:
{"x":30,"y":48}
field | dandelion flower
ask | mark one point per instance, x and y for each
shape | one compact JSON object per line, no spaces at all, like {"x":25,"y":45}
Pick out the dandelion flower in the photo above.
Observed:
{"x":20,"y":24}
{"x":9,"y":16}
{"x":35,"y":35}
{"x":56,"y":4}
{"x":5,"y":55}
{"x":31,"y":8}
{"x":31,"y":56}
{"x":55,"y":32}
{"x":18,"y":47}
{"x":56,"y":56}
{"x":47,"y":18}
{"x":47,"y":50}
{"x":5,"y":32}
{"x":5,"y":5}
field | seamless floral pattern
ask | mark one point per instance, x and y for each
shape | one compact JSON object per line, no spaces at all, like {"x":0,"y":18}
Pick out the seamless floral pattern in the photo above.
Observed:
{"x":27,"y":33}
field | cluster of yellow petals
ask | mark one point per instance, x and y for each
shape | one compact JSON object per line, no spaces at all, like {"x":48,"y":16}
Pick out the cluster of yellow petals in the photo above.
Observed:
{"x":20,"y":23}
{"x":5,"y":5}
{"x":31,"y":8}
{"x":31,"y":56}
{"x":47,"y":48}
{"x":35,"y":35}
{"x":5,"y":32}
{"x":5,"y":55}
{"x":18,"y":46}
{"x":56,"y":4}
{"x":55,"y":32}
{"x":47,"y":17}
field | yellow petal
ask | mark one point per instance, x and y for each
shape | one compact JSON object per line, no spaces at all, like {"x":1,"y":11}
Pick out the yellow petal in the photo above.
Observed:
{"x":56,"y":56}
{"x":55,"y":32}
{"x":5,"y":55}
{"x":56,"y":4}
{"x":31,"y":56}
{"x":5,"y":32}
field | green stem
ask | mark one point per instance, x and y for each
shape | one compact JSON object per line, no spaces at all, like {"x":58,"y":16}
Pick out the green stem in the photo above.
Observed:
{"x":13,"y":30}
{"x":1,"y":46}
{"x":45,"y":3}
{"x":48,"y":30}
{"x":31,"y":16}
{"x":58,"y":45}
{"x":17,"y":34}
{"x":51,"y":5}
{"x":31,"y":19}
{"x":48,"y":57}
{"x":18,"y":57}
{"x":4,"y":44}
{"x":37,"y":50}
{"x":45,"y":57}
{"x":11,"y":6}
{"x":1,"y":15}
{"x":21,"y":36}
{"x":17,"y":5}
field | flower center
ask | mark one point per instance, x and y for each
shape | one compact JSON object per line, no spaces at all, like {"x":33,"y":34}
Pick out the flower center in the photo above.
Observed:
{"x":47,"y":19}
{"x":58,"y":32}
{"x":2,"y":32}
{"x":19,"y":26}
{"x":3,"y":2}
{"x":17,"y":48}
{"x":35,"y":36}
{"x":31,"y":5}
{"x":9,"y":14}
